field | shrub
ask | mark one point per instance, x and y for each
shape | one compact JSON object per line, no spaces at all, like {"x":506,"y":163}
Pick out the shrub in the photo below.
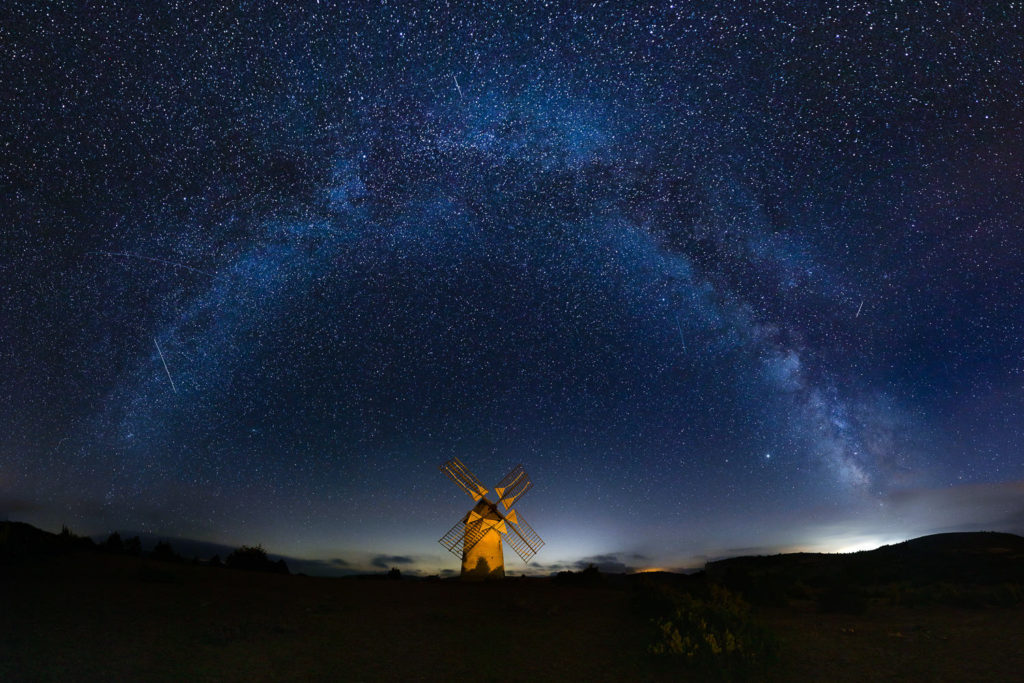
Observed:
{"x":591,"y":576}
{"x":68,"y":540}
{"x":114,"y":544}
{"x":715,"y":633}
{"x":254,"y":558}
{"x":1007,"y":594}
{"x":133,"y":546}
{"x":165,"y":553}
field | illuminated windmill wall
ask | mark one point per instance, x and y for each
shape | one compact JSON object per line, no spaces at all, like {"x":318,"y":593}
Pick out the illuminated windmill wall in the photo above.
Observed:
{"x":477,"y":538}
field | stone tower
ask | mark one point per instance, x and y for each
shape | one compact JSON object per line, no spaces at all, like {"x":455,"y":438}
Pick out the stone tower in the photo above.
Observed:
{"x":483,"y":559}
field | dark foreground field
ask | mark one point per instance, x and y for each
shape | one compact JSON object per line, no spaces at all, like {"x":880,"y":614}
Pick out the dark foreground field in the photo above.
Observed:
{"x":100,"y":617}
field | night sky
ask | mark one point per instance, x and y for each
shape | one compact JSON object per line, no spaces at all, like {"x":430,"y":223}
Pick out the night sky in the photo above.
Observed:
{"x":724,"y":279}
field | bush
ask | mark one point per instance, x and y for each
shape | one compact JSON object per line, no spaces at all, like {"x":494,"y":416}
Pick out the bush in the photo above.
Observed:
{"x":68,"y":540}
{"x":133,"y":546}
{"x":114,"y":544}
{"x":165,"y":553}
{"x":591,"y":576}
{"x":716,"y":634}
{"x":254,"y":558}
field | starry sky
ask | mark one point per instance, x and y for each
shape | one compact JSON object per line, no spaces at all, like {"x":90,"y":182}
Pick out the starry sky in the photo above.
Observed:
{"x":724,"y":277}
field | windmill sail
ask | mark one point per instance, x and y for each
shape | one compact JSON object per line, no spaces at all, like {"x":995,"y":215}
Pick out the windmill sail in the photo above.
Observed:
{"x":462,"y":537}
{"x":466,"y":480}
{"x":513,"y":486}
{"x":478,"y":536}
{"x":523,"y":539}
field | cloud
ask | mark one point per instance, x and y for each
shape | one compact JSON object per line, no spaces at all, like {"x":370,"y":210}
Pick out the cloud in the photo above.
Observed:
{"x":742,"y":552}
{"x":610,"y":563}
{"x":388,"y":561}
{"x":331,"y":567}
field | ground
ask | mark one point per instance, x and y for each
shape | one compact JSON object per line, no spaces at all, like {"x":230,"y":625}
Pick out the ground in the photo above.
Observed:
{"x":98,"y":617}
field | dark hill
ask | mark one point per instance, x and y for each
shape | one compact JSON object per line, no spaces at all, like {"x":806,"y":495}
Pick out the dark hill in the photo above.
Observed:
{"x":989,"y":542}
{"x":982,"y":557}
{"x":19,"y":540}
{"x":963,"y":560}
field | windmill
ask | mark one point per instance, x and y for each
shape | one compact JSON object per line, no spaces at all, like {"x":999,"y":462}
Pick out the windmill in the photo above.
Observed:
{"x":476,"y":538}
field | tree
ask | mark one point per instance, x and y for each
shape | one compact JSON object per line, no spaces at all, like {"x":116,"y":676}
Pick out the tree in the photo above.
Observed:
{"x":133,"y":546}
{"x":164,"y":552}
{"x":72,"y":541}
{"x":114,"y":544}
{"x":254,"y":558}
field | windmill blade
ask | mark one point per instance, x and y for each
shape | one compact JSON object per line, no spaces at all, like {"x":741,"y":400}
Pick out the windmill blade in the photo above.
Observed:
{"x":463,"y":536}
{"x":513,"y":486}
{"x":453,"y":539}
{"x":466,"y":480}
{"x":523,"y":539}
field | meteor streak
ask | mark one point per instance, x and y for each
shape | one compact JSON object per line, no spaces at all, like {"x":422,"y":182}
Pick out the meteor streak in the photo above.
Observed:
{"x":173,"y":388}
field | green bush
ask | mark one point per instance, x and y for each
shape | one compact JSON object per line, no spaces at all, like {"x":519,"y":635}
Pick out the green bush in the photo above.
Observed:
{"x":716,"y":633}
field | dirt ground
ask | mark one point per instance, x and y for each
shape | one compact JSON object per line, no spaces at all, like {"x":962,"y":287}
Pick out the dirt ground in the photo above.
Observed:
{"x":117,"y":618}
{"x":900,"y":643}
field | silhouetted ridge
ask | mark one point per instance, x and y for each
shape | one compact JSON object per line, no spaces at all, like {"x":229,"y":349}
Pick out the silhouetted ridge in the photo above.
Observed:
{"x":969,"y":558}
{"x":976,"y":541}
{"x":20,"y":540}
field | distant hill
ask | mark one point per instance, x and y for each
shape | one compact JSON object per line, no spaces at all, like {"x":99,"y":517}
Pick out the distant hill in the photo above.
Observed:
{"x":971,"y":558}
{"x":21,"y":541}
{"x":18,"y":540}
{"x":186,"y":547}
{"x":971,"y":542}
